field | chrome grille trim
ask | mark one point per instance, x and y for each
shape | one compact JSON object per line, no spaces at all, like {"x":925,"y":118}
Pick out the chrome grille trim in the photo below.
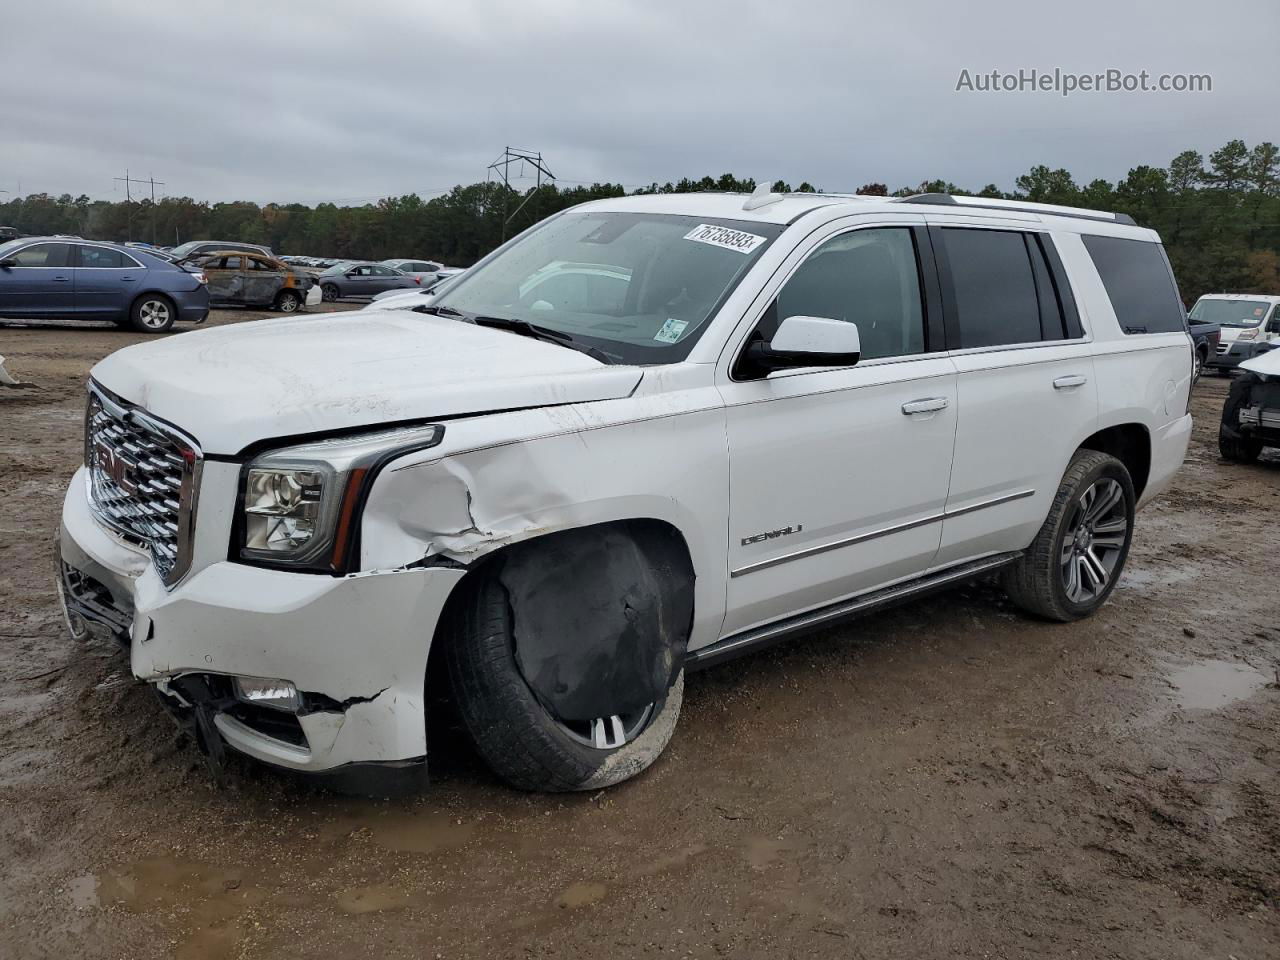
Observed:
{"x":143,"y":478}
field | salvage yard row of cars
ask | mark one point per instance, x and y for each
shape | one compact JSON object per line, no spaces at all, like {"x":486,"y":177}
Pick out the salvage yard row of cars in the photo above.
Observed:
{"x":150,"y":288}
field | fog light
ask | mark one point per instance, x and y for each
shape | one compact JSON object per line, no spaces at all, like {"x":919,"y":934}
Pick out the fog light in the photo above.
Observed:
{"x":265,"y":692}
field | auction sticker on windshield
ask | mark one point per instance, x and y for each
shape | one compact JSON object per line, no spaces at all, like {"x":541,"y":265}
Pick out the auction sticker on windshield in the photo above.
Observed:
{"x":738,"y":240}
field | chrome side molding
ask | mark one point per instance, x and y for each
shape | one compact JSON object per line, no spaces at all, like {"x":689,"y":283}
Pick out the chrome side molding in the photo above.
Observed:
{"x":874,"y":534}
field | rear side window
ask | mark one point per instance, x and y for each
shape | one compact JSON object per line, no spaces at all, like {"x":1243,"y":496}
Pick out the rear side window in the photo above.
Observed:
{"x":1139,"y":282}
{"x":994,"y":287}
{"x":101,"y":257}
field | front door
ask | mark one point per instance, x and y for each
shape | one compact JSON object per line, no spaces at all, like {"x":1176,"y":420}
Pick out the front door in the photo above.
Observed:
{"x":39,"y":282}
{"x":838,"y":477}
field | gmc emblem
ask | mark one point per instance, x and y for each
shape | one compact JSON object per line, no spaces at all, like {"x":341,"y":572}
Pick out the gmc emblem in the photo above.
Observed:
{"x":116,"y":466}
{"x":772,"y":535}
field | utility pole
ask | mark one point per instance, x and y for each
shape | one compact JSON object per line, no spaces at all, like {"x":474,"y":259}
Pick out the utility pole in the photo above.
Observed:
{"x":128,"y":181}
{"x":502,"y":168}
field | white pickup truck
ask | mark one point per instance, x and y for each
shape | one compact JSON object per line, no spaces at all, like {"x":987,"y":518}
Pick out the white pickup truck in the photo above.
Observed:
{"x":647,"y":434}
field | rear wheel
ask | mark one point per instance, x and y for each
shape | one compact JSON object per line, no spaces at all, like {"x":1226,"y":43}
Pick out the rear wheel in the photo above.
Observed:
{"x":153,"y":313}
{"x":1076,"y":559}
{"x":329,"y":292}
{"x":518,"y":737}
{"x":288,"y":301}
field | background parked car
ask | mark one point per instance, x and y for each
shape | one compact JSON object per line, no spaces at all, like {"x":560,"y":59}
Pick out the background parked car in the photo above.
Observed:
{"x":427,"y":271}
{"x":1250,"y":325}
{"x":192,"y":247}
{"x":242,"y":279}
{"x":349,"y":279}
{"x":53,"y":278}
{"x":8,"y":233}
{"x":1251,"y":415}
{"x":1204,"y":338}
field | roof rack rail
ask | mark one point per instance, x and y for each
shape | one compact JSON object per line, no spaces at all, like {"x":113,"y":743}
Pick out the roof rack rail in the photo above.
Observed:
{"x":1018,"y":206}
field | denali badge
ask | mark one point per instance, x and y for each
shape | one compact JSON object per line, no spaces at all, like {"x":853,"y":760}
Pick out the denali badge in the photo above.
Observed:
{"x":771,"y":534}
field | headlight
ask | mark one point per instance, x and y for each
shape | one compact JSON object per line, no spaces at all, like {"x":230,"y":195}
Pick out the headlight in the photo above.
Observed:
{"x":1250,"y":334}
{"x":300,"y":506}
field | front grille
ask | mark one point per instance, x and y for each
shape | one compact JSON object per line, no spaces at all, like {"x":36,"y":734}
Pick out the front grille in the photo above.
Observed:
{"x":143,"y":475}
{"x":1223,"y":348}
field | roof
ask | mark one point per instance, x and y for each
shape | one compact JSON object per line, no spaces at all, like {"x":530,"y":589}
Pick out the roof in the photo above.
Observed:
{"x":1269,"y":297}
{"x":764,"y":207}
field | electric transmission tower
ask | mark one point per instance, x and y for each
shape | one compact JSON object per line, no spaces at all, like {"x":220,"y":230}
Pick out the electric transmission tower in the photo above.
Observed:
{"x":501,"y":168}
{"x":128,"y":209}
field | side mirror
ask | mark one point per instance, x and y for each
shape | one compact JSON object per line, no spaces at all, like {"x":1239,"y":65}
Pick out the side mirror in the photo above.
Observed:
{"x":805,"y":342}
{"x":8,"y":262}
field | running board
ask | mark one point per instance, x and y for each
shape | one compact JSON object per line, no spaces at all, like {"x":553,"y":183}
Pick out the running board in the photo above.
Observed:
{"x":758,"y":637}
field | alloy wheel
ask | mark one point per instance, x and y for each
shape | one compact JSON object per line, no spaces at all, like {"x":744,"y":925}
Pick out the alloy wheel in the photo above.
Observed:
{"x":154,"y":314}
{"x":607,"y":733}
{"x":1094,"y":540}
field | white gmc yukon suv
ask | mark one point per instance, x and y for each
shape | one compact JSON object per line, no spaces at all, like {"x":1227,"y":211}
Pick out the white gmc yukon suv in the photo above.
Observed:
{"x":647,"y":434}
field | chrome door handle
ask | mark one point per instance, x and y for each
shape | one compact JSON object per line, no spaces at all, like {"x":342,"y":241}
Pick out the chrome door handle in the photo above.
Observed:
{"x":928,"y":405}
{"x":127,"y":278}
{"x":61,"y":279}
{"x":1071,"y":380}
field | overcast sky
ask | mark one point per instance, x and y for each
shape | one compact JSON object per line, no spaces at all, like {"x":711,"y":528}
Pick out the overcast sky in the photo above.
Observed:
{"x":348,"y":101}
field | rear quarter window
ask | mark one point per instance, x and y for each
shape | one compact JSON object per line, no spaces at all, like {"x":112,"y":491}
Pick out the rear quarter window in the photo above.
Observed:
{"x":1139,"y":283}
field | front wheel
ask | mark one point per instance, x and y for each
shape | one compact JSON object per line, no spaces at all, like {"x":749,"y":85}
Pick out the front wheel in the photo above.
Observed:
{"x":288,"y":302}
{"x":1076,"y":559}
{"x":329,"y":292}
{"x":1238,"y":449}
{"x":517,"y":736}
{"x":152,"y":313}
{"x":1197,"y":366}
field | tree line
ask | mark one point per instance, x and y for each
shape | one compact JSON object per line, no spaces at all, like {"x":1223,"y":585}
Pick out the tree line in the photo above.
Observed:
{"x":1219,"y":218}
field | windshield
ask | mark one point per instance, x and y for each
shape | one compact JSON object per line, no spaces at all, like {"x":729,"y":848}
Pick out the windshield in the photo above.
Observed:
{"x":1230,"y":313}
{"x":637,"y":287}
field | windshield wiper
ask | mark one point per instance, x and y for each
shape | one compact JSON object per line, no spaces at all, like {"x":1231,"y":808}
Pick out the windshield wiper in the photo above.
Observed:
{"x":523,"y":327}
{"x":438,"y":310}
{"x":537,"y":332}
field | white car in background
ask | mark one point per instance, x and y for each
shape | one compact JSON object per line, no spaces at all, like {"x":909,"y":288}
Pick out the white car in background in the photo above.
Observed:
{"x":646,"y":435}
{"x":1250,"y":324}
{"x":426,"y":271}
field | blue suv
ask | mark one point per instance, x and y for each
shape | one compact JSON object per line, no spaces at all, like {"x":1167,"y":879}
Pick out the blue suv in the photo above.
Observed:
{"x":70,"y":279}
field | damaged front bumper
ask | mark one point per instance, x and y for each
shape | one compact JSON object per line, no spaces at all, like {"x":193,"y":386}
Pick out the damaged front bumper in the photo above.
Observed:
{"x":355,"y":648}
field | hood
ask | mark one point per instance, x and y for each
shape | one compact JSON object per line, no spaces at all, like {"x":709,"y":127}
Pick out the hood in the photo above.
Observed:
{"x":1232,"y":334}
{"x":235,"y":385}
{"x":1267,"y":364}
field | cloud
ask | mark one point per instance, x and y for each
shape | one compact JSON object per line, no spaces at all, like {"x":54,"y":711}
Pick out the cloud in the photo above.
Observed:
{"x":339,"y":101}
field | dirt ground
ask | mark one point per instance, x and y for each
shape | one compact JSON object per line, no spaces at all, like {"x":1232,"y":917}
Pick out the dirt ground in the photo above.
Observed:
{"x":950,"y":779}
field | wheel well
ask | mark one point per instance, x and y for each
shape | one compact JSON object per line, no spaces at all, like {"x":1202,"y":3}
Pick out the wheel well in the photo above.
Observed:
{"x":152,"y":293}
{"x":1131,"y":445}
{"x":661,"y":537}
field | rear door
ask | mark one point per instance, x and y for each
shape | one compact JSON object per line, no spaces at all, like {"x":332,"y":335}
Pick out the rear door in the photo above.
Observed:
{"x":106,"y":281}
{"x":384,"y":278}
{"x":39,"y":283}
{"x":225,"y":277}
{"x":1026,"y":387}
